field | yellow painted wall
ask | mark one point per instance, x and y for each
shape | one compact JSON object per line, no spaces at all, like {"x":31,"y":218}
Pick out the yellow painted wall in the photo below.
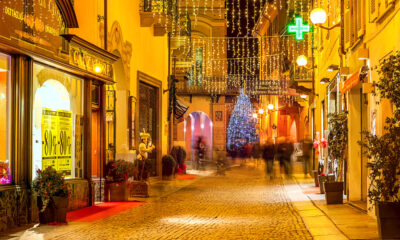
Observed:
{"x":149,"y":53}
{"x":381,"y":38}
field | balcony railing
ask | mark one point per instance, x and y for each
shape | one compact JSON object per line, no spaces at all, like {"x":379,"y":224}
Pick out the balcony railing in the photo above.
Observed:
{"x":205,"y":87}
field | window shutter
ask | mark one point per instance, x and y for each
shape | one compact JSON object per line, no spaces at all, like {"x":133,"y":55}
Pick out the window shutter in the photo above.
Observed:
{"x":347,"y":28}
{"x":360,"y":18}
{"x":373,"y":10}
{"x":384,"y":6}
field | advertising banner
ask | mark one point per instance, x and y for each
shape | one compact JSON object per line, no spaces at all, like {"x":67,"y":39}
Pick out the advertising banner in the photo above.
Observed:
{"x":57,"y":140}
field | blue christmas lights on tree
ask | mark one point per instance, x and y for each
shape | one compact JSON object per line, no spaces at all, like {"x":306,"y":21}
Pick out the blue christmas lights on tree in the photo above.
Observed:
{"x":242,"y":125}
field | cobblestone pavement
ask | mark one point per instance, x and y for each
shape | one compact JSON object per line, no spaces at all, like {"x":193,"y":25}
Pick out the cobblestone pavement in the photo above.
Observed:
{"x":240,"y":205}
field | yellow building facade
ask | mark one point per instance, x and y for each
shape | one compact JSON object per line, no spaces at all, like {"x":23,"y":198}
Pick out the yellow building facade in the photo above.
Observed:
{"x":369,"y":34}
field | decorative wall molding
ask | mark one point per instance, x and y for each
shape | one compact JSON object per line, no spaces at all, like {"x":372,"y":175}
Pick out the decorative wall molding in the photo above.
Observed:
{"x":116,"y":41}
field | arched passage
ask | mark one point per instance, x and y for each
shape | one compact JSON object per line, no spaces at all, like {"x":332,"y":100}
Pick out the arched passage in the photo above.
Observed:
{"x":198,"y":125}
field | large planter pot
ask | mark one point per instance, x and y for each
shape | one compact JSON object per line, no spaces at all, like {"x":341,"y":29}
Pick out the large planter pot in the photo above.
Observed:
{"x":316,"y":182}
{"x":333,"y":192}
{"x":61,"y":206}
{"x":48,"y":215}
{"x":117,"y":192}
{"x":139,"y":189}
{"x":324,"y":178}
{"x":388,"y":217}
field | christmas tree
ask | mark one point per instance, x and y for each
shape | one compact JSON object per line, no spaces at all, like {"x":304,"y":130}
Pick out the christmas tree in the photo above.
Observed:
{"x":242,"y":125}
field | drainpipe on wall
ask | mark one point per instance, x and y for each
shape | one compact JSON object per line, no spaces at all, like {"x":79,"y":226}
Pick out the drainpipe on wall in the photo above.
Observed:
{"x":169,"y":92}
{"x":105,"y":25}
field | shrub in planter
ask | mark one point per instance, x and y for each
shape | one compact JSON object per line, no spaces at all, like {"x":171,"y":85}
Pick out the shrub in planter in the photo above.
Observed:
{"x":53,"y":194}
{"x":383,"y":153}
{"x":118,"y":172}
{"x":337,"y":138}
{"x":322,"y":179}
{"x":179,"y":154}
{"x":168,"y":165}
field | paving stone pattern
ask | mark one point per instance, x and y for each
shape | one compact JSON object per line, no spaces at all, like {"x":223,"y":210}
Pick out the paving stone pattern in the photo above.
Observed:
{"x":240,"y":205}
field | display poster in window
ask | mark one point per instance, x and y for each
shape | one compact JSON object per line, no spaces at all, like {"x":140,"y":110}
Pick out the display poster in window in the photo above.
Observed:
{"x":64,"y":163}
{"x":49,"y":138}
{"x":57,"y":140}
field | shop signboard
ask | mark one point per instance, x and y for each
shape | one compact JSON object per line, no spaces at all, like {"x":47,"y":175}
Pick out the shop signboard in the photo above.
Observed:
{"x":272,"y":87}
{"x":57,"y":140}
{"x":89,"y":61}
{"x":353,"y":80}
{"x":31,"y":24}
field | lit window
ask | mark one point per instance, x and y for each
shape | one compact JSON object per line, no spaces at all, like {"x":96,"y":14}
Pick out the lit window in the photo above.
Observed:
{"x":57,"y":122}
{"x":5,"y":162}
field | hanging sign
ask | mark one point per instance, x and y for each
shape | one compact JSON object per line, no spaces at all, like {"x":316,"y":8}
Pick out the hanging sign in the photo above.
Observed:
{"x":353,"y":80}
{"x":57,"y":140}
{"x":298,"y":28}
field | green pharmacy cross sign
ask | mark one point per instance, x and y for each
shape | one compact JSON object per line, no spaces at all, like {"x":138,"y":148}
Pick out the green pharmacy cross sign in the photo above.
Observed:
{"x":299,"y":28}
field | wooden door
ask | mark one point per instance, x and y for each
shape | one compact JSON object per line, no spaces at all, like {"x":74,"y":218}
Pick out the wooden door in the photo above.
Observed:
{"x":148,"y":118}
{"x":96,"y":144}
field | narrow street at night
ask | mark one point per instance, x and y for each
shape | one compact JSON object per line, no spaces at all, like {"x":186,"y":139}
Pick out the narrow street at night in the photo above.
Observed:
{"x":243,"y":204}
{"x":199,"y":119}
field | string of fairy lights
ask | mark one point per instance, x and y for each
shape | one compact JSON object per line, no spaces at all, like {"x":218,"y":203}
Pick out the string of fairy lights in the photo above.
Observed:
{"x":239,"y":60}
{"x":219,"y":63}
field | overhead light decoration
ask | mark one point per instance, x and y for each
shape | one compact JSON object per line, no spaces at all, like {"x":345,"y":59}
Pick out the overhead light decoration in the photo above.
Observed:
{"x":301,"y":61}
{"x":260,"y":111}
{"x":271,"y":106}
{"x":318,"y":16}
{"x":298,"y":28}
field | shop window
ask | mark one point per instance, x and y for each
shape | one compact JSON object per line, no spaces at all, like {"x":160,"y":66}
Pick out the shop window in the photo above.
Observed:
{"x":5,"y":161}
{"x":57,"y":121}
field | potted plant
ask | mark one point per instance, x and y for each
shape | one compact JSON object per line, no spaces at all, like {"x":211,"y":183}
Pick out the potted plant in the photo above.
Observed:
{"x":322,"y":179}
{"x":117,"y":186}
{"x":52,"y":195}
{"x":384,"y":154}
{"x":168,"y":166}
{"x":337,"y":146}
{"x":179,"y":154}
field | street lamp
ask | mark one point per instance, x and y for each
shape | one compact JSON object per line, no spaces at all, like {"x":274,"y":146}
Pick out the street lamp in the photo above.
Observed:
{"x":261,"y":111}
{"x":255,"y":115}
{"x":318,"y":16}
{"x":270,"y":106}
{"x":301,"y":61}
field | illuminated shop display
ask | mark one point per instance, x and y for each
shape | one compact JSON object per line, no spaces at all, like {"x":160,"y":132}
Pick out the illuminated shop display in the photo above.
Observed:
{"x":57,"y":114}
{"x":5,"y":161}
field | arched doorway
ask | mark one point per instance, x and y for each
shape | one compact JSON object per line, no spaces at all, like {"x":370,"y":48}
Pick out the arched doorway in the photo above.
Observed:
{"x":198,"y":125}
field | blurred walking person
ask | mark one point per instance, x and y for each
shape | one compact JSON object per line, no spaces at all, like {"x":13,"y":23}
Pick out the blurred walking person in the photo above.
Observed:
{"x":285,"y":151}
{"x":256,"y":152}
{"x":268,"y":155}
{"x":307,"y":154}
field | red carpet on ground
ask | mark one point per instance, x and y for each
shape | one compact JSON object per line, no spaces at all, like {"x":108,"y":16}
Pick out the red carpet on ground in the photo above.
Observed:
{"x":103,"y":210}
{"x":186,"y":176}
